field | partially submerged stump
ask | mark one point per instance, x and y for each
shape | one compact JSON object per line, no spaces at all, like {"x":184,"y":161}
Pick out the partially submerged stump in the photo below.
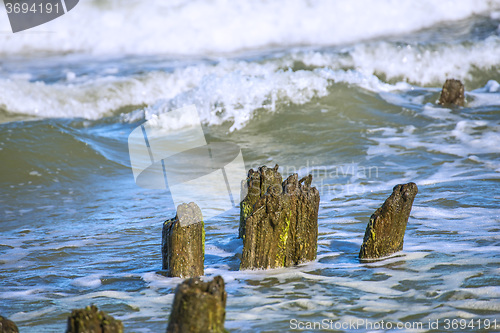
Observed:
{"x":92,"y":320}
{"x":452,"y":93}
{"x":183,"y":242}
{"x":281,"y":228}
{"x":198,"y":307}
{"x":386,"y":230}
{"x":7,"y":326}
{"x":258,"y":182}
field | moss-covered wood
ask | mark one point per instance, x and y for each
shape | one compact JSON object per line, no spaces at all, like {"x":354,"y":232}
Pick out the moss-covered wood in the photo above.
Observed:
{"x":386,"y":230}
{"x":183,"y":242}
{"x":198,"y":307}
{"x":258,"y":182}
{"x":281,"y":228}
{"x":452,"y":93}
{"x":90,"y":319}
{"x":7,"y":326}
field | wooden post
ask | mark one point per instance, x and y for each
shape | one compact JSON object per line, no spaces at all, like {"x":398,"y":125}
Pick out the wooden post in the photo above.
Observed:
{"x":386,"y":230}
{"x":7,"y":326}
{"x":198,"y":307}
{"x":258,"y":182}
{"x":281,"y":228}
{"x":183,"y":242}
{"x":91,"y":319}
{"x":452,"y":93}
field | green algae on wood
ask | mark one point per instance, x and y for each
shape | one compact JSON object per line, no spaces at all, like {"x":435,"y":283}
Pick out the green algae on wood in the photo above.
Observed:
{"x":183,"y":242}
{"x":7,"y":326}
{"x":198,"y":307}
{"x":385,"y":232}
{"x":281,"y":229}
{"x":90,"y":319}
{"x":258,"y":182}
{"x":452,"y":93}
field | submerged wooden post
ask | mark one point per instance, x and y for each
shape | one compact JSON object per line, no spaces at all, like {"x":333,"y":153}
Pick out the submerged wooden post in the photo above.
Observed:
{"x":183,"y":242}
{"x":91,"y":319}
{"x":258,"y":182}
{"x":198,"y":307}
{"x":280,"y":229}
{"x":7,"y":326}
{"x":386,"y":230}
{"x":452,"y":93}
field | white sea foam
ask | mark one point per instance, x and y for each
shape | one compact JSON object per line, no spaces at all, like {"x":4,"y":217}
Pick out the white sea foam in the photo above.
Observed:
{"x":90,"y":100}
{"x":366,"y":81}
{"x":229,"y":91}
{"x":424,"y":65}
{"x":90,"y":281}
{"x":485,"y":96}
{"x":27,"y":316}
{"x":204,"y":26}
{"x":235,"y":95}
{"x":421,"y":64}
{"x":35,"y":293}
{"x":233,"y":90}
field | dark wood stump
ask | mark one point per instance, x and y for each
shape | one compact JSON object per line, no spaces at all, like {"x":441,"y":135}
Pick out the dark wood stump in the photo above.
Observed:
{"x":281,"y":228}
{"x":7,"y":326}
{"x":258,"y":182}
{"x":452,"y":93}
{"x":386,"y":230}
{"x":92,"y":320}
{"x":198,"y":307}
{"x":183,"y":242}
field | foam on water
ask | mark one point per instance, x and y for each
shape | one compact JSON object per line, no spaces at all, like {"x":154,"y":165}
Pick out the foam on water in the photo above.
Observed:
{"x":257,"y":297}
{"x":227,"y":91}
{"x":90,"y":281}
{"x":425,"y":65}
{"x":92,"y":100}
{"x":489,"y":95}
{"x":202,"y":26}
{"x":231,"y":90}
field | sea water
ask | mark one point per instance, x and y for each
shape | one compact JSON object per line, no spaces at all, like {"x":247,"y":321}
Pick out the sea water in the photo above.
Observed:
{"x":345,"y":91}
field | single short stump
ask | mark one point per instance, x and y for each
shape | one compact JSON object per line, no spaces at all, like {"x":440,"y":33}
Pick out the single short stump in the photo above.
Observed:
{"x":183,"y":242}
{"x":386,"y":230}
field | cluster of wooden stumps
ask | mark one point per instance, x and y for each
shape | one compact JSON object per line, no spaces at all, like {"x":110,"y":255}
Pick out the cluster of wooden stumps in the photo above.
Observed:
{"x":279,"y":228}
{"x":278,"y":220}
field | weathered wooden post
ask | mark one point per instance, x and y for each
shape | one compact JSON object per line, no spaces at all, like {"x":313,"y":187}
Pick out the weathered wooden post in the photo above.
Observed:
{"x":258,"y":182}
{"x":7,"y":326}
{"x":91,"y":319}
{"x":386,"y":230}
{"x":452,"y":93}
{"x":278,"y":221}
{"x":183,"y":242}
{"x":198,"y":307}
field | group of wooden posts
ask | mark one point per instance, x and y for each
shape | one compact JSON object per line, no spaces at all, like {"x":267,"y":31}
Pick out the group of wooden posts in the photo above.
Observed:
{"x":279,"y":228}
